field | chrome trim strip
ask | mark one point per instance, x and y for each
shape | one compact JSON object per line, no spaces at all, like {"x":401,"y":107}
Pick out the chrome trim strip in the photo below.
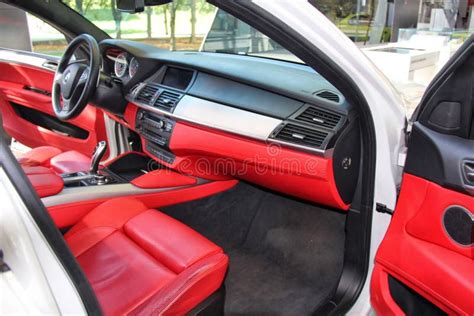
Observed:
{"x":111,"y":139}
{"x":71,"y":195}
{"x":322,"y":152}
{"x":226,"y":118}
{"x":219,"y":116}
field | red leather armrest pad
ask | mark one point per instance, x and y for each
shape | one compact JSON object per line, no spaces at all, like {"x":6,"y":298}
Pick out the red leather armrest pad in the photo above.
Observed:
{"x":70,"y":161}
{"x":162,"y":178}
{"x":36,"y":170}
{"x":46,"y":184}
{"x":174,"y":244}
{"x":39,"y":156}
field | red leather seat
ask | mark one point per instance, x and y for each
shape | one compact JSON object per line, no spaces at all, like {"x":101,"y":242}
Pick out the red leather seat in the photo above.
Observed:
{"x":141,"y":261}
{"x":44,"y":180}
{"x":52,"y":157}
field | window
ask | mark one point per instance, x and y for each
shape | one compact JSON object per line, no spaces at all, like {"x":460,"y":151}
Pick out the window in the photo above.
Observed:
{"x":192,"y":25}
{"x":23,"y":31}
{"x":44,"y":38}
{"x":420,"y":35}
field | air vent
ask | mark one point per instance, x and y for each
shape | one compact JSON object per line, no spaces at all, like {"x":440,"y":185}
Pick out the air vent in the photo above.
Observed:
{"x":167,"y":100}
{"x":319,"y":117}
{"x":328,"y":95}
{"x":302,"y":136}
{"x":146,"y":94}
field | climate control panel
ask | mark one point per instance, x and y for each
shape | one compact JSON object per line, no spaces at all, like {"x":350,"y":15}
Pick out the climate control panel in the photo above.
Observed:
{"x":157,"y":131}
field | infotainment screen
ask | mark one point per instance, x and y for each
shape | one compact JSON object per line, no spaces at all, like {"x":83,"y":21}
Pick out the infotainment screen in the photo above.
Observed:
{"x":177,"y":78}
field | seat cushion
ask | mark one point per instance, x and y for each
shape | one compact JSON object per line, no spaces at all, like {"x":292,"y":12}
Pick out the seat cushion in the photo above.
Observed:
{"x":39,"y":156}
{"x":141,"y":261}
{"x":70,"y":162}
{"x":44,"y":181}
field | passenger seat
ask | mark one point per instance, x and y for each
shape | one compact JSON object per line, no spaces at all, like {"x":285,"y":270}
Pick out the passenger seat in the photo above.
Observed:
{"x":141,"y":261}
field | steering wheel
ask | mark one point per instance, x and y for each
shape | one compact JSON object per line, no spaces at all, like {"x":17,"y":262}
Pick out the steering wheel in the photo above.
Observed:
{"x":75,"y":81}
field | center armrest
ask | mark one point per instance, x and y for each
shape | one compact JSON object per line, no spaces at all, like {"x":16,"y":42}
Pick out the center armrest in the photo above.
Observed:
{"x":44,"y":181}
{"x":162,"y":178}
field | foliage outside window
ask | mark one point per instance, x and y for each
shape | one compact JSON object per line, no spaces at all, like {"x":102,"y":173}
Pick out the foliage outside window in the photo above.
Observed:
{"x":179,"y":25}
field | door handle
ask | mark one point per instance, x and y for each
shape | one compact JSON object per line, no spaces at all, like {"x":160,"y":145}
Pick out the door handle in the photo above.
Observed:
{"x":50,"y":65}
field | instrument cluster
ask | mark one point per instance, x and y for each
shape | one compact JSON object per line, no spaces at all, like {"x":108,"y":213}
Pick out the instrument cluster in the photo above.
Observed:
{"x":125,"y":66}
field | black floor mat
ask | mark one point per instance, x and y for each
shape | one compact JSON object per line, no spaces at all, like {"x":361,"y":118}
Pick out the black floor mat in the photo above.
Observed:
{"x":285,"y":255}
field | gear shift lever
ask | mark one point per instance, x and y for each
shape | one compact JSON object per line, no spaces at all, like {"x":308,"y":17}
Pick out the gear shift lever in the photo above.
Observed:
{"x":99,"y":152}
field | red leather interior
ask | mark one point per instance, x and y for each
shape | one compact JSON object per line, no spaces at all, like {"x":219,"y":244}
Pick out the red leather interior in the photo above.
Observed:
{"x":13,"y":80}
{"x":39,"y":156}
{"x":70,"y":161}
{"x":210,"y":154}
{"x":66,"y":215}
{"x":216,"y":155}
{"x":61,"y":162}
{"x":417,"y":251}
{"x":141,"y":261}
{"x":162,"y":178}
{"x":36,"y":170}
{"x":44,"y":181}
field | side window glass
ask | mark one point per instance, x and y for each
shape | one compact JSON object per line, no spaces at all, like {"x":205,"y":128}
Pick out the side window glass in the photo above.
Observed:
{"x":44,"y":38}
{"x":23,"y":31}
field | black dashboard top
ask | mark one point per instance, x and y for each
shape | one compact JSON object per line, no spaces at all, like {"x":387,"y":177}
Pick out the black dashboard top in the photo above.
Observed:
{"x":272,"y":87}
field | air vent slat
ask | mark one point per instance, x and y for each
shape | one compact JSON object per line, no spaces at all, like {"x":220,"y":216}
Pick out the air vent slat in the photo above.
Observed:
{"x":328,"y":95}
{"x":146,"y":94}
{"x":319,"y":117}
{"x":167,"y":100}
{"x":301,"y":136}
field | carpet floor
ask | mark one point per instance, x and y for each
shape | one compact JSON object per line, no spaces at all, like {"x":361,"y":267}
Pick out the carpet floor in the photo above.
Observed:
{"x":285,"y":255}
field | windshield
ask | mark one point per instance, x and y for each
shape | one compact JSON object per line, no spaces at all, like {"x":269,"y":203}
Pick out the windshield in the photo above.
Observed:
{"x":419,"y":35}
{"x":192,"y":25}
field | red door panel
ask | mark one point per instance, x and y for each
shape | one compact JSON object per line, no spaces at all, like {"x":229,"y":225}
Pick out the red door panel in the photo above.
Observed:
{"x":13,"y":80}
{"x":425,"y":263}
{"x":417,"y":251}
{"x":428,"y":203}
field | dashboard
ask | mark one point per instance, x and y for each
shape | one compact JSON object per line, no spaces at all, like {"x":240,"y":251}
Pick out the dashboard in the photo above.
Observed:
{"x":187,"y":106}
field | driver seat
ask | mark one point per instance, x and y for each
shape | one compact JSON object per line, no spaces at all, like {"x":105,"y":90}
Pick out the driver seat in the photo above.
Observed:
{"x":54,"y":158}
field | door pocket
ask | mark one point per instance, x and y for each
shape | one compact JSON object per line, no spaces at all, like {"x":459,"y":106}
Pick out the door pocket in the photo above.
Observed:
{"x":49,"y":122}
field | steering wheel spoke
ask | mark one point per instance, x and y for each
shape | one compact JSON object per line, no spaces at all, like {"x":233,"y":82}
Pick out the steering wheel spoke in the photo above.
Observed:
{"x":66,"y":103}
{"x":84,"y":76}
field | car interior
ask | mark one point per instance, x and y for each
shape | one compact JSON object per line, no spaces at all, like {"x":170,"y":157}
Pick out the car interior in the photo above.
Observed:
{"x":239,"y":189}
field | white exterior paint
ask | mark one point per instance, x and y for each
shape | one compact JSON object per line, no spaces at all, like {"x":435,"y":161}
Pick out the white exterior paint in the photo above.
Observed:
{"x":37,"y":282}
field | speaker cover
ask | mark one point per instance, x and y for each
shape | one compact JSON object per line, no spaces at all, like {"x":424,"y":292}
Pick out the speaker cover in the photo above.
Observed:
{"x":458,"y":223}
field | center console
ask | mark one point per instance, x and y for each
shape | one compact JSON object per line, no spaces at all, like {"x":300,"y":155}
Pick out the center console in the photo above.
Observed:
{"x":93,"y":176}
{"x":157,"y":131}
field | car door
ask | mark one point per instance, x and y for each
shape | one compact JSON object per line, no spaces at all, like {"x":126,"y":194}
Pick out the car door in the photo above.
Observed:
{"x":29,"y":52}
{"x":425,"y":264}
